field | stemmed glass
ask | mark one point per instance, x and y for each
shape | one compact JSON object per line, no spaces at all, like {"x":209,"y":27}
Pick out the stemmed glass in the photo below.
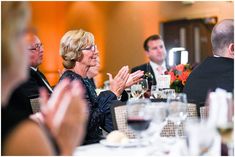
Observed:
{"x":144,"y":85}
{"x":137,"y":119}
{"x":177,"y":110}
{"x":138,"y":90}
{"x":225,"y":127}
{"x":158,"y":113}
{"x":154,"y":91}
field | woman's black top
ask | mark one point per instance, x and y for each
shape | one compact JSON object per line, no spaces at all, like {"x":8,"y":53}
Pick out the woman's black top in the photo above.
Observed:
{"x":99,"y":108}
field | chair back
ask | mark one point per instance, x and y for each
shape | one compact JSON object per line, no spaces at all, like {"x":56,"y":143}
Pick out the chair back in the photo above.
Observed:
{"x":169,"y":129}
{"x":203,"y":112}
{"x":119,"y":116}
{"x":192,"y":110}
{"x":35,"y":104}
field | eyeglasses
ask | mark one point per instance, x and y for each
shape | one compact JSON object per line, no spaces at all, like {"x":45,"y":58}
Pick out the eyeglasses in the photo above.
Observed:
{"x":92,"y":48}
{"x":36,"y":46}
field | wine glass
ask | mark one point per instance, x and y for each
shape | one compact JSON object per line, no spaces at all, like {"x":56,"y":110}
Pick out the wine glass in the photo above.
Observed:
{"x":144,"y":85}
{"x":177,"y":110}
{"x":137,"y":119}
{"x":138,"y":89}
{"x":226,"y":125}
{"x":158,"y":113}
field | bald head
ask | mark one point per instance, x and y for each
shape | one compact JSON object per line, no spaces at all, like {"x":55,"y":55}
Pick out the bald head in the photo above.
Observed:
{"x":222,"y":38}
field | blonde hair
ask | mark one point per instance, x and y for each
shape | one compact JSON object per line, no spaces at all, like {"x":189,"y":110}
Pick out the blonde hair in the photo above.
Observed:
{"x":71,"y":45}
{"x":15,"y":17}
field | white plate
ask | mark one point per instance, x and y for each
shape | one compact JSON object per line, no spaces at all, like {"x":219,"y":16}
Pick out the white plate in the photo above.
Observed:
{"x":130,"y":143}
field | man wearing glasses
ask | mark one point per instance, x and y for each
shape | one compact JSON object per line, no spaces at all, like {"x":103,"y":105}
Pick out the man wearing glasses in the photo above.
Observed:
{"x":20,"y":99}
{"x":155,"y":50}
{"x":37,"y":79}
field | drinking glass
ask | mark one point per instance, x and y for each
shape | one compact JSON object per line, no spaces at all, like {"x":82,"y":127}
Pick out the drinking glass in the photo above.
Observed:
{"x":154,"y":91}
{"x":168,"y":92}
{"x":200,"y":137}
{"x":144,"y":85}
{"x":225,"y":127}
{"x":177,"y":110}
{"x":158,"y":113}
{"x":137,"y":119}
{"x":138,"y":90}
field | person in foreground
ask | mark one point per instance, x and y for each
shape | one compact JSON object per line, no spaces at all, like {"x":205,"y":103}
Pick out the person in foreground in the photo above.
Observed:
{"x":216,"y":71}
{"x":19,"y":134}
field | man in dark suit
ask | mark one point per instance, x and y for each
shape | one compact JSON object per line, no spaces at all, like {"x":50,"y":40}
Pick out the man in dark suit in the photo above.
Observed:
{"x":216,"y":71}
{"x":20,"y":99}
{"x":155,"y":50}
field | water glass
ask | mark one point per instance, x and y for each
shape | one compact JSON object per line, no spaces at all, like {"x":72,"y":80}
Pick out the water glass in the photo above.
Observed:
{"x":138,"y":90}
{"x":158,"y":113}
{"x":177,"y":109}
{"x":168,"y":92}
{"x":154,"y":91}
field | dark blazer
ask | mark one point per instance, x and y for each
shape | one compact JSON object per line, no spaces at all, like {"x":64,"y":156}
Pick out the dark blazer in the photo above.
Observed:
{"x":212,"y":73}
{"x":35,"y":82}
{"x":146,"y":68}
{"x":20,"y":98}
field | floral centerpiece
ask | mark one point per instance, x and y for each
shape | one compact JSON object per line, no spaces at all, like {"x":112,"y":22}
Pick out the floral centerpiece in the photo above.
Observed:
{"x":179,"y":75}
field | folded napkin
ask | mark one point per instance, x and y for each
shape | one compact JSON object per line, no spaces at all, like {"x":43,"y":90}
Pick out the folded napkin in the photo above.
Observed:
{"x":218,"y":107}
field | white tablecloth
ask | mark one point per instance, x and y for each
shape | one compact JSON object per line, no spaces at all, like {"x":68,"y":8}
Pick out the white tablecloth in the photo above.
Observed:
{"x":161,"y":148}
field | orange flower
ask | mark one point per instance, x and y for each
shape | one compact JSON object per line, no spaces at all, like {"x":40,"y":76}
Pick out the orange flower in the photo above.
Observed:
{"x":180,"y":67}
{"x":183,"y":77}
{"x":179,"y":75}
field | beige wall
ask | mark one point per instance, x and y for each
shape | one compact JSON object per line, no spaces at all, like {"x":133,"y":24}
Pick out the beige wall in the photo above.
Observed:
{"x":197,"y":10}
{"x":119,"y":27}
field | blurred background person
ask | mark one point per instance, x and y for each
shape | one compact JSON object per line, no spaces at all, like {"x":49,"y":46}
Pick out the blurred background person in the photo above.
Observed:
{"x":19,"y":134}
{"x":156,"y":52}
{"x":20,"y":99}
{"x":216,"y":71}
{"x":35,"y":52}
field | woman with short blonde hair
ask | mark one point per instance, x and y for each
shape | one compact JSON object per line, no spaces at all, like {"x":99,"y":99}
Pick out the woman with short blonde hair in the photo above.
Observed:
{"x":72,"y":44}
{"x":79,"y":53}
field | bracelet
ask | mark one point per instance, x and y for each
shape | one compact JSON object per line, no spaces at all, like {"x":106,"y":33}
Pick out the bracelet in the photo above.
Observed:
{"x":119,"y":97}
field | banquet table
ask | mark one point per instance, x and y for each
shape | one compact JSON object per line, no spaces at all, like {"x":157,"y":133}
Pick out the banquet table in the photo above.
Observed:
{"x":161,"y":148}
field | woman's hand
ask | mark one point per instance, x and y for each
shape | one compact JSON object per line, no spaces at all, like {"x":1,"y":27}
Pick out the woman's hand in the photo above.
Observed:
{"x":117,"y":84}
{"x":134,"y":78}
